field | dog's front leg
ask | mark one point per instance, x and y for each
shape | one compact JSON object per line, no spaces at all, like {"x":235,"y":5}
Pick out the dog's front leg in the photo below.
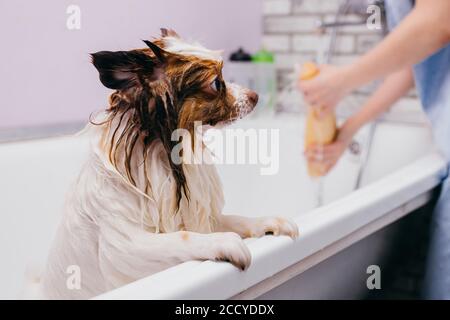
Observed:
{"x":257,"y":227}
{"x":142,"y":253}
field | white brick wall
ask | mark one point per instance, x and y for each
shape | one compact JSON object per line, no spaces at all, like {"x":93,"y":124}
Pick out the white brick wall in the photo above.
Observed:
{"x":277,"y":43}
{"x":316,"y":43}
{"x":290,"y":31}
{"x":309,"y":43}
{"x":315,"y":6}
{"x":287,"y":61}
{"x":289,"y":24}
{"x":276,"y":7}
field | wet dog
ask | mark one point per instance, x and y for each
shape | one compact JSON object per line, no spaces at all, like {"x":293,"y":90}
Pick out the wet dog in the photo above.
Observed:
{"x":133,"y":210}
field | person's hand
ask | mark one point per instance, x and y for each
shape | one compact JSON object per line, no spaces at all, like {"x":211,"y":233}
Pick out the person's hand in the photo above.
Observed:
{"x":327,"y":89}
{"x":328,"y":155}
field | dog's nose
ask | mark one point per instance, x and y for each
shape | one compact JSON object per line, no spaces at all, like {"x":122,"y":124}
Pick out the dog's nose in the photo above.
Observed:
{"x":253,"y":97}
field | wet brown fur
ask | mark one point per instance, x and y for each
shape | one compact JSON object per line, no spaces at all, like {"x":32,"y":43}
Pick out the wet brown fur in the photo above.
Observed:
{"x":162,"y":91}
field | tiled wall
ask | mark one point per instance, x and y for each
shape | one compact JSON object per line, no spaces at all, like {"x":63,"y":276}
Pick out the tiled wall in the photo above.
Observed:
{"x":290,"y":31}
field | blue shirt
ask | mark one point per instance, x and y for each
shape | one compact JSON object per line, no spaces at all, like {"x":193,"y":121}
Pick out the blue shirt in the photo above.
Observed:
{"x":432,"y":78}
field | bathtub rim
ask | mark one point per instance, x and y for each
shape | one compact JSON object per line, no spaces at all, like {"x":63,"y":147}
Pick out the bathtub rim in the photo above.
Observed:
{"x":334,"y":248}
{"x":392,"y":197}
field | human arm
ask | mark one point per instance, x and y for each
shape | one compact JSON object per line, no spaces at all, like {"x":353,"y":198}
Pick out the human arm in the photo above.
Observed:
{"x":393,"y":87}
{"x":425,"y":30}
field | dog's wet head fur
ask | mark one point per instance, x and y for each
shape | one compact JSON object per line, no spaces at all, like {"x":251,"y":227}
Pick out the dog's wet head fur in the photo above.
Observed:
{"x":170,"y":84}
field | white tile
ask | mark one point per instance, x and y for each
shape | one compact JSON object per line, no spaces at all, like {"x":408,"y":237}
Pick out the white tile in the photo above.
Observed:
{"x":276,"y":7}
{"x":276,"y":42}
{"x":290,"y":24}
{"x":287,"y":61}
{"x":316,"y":6}
{"x":308,"y":43}
{"x":317,"y":43}
{"x":345,"y":44}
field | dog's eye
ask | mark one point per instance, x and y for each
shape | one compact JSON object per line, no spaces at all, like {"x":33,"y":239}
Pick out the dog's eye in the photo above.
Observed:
{"x":216,"y":85}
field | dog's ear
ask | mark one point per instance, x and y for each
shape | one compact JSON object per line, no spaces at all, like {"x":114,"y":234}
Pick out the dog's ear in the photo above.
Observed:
{"x":159,"y":53}
{"x":124,"y":69}
{"x":169,"y":33}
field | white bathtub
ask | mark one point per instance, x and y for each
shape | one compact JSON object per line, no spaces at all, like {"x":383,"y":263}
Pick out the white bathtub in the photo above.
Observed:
{"x":402,"y":170}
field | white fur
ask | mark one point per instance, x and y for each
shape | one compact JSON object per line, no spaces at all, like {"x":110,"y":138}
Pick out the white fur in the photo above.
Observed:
{"x":117,"y":233}
{"x":179,"y":46}
{"x":242,"y":102}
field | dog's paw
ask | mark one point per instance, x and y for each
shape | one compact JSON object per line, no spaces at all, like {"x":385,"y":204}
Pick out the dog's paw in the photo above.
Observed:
{"x":229,"y":247}
{"x":276,"y":226}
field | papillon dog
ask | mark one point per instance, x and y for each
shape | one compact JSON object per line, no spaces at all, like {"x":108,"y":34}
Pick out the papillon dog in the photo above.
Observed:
{"x":133,"y":211}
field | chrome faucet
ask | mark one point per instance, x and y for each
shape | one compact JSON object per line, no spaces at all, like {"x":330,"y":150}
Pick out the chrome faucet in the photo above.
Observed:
{"x":355,"y":7}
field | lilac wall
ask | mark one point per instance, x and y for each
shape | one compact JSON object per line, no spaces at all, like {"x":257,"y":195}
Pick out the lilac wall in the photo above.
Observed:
{"x":46,"y":76}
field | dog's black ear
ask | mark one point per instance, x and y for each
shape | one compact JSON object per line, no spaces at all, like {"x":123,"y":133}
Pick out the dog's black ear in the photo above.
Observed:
{"x":124,"y":69}
{"x":159,"y":53}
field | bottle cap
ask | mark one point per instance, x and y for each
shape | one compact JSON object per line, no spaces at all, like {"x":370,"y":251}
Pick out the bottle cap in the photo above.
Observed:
{"x":240,"y":55}
{"x":263,"y":56}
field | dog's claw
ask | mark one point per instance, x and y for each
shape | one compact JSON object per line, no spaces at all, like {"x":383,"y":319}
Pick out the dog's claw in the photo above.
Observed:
{"x":276,"y":227}
{"x":231,"y":248}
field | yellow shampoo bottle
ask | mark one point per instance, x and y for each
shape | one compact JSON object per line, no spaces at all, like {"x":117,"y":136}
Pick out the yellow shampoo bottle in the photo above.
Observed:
{"x":318,"y":131}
